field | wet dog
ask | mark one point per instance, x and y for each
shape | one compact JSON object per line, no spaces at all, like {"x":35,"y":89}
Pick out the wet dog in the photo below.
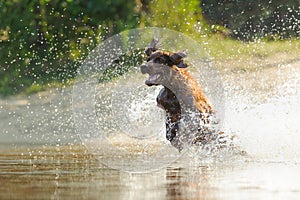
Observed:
{"x":187,"y":109}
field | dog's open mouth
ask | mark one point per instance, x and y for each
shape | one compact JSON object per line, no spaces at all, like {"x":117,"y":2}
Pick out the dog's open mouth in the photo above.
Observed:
{"x":153,"y":79}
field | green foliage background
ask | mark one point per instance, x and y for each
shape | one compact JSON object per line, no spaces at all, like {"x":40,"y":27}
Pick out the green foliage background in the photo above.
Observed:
{"x":43,"y":41}
{"x":252,"y":19}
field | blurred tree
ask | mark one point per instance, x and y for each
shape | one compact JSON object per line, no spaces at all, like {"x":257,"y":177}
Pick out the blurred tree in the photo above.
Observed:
{"x":180,"y":15}
{"x":253,"y":19}
{"x":43,"y":40}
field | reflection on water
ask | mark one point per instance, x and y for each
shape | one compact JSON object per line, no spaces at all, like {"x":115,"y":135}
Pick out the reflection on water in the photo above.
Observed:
{"x":72,"y":173}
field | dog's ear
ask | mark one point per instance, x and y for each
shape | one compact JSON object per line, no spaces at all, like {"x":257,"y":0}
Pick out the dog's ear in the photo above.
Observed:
{"x":153,"y":46}
{"x":177,"y":57}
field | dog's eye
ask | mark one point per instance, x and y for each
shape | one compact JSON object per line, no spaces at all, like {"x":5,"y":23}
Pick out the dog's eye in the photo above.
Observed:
{"x":159,"y":60}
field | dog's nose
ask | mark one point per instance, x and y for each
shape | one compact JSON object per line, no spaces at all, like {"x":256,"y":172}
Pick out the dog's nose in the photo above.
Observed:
{"x":144,"y":69}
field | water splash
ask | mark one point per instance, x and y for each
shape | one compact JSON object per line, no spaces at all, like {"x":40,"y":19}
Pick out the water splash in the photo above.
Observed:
{"x":269,"y":129}
{"x":112,"y":109}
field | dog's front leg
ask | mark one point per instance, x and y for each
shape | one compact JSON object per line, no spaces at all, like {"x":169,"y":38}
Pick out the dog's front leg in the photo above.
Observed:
{"x":171,"y":129}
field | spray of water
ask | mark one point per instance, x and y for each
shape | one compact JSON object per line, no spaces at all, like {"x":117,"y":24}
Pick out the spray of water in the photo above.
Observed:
{"x":269,"y":129}
{"x":115,"y":112}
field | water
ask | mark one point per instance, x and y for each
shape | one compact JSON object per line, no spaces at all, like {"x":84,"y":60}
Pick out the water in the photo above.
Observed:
{"x":267,"y":122}
{"x":262,"y":109}
{"x":73,"y":173}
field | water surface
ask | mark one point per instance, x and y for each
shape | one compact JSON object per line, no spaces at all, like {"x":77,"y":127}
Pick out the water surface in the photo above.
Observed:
{"x":52,"y":172}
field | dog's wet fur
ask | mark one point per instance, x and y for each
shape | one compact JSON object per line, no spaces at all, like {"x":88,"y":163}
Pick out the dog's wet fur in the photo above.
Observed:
{"x":180,"y":96}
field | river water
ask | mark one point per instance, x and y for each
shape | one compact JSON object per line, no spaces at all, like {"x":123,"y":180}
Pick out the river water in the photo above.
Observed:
{"x":72,"y":173}
{"x":37,"y":163}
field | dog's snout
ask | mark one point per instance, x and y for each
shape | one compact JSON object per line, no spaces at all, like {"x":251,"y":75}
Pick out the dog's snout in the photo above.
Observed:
{"x":144,"y":69}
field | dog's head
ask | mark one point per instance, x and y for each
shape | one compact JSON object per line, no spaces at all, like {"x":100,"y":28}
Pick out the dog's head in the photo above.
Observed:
{"x":161,"y":65}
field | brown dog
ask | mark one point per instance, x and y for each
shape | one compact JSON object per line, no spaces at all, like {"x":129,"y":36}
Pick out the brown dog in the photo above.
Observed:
{"x":186,"y":106}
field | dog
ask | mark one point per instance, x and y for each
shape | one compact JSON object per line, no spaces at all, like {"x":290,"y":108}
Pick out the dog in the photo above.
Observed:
{"x":188,"y":110}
